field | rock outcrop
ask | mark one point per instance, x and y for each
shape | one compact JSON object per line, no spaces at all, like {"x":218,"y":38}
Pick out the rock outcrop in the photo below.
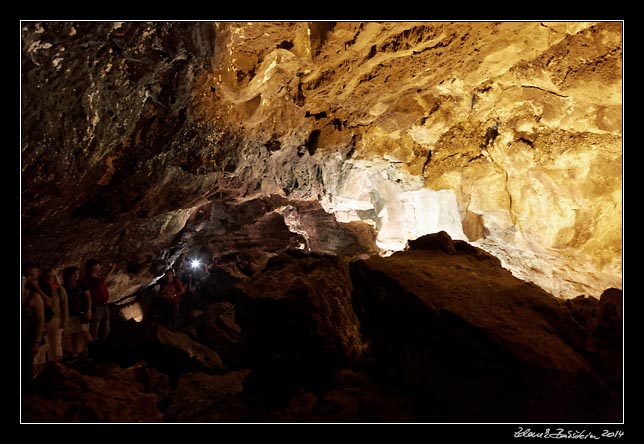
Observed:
{"x":446,"y":321}
{"x":438,"y":333}
{"x":297,"y":319}
{"x":101,"y":394}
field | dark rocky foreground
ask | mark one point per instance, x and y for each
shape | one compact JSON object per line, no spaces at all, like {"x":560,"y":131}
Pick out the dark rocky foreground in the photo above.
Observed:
{"x":438,"y":333}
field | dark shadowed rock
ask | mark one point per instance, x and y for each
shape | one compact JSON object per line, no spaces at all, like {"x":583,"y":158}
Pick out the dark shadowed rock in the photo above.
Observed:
{"x":442,"y":241}
{"x":204,"y":355}
{"x":297,"y":318}
{"x":353,"y":398}
{"x":106,"y":394}
{"x":437,"y":241}
{"x":172,"y":353}
{"x":585,"y":310}
{"x":603,"y":326}
{"x":199,"y":397}
{"x":216,"y":327}
{"x":609,"y":340}
{"x":470,"y":341}
{"x":611,"y":307}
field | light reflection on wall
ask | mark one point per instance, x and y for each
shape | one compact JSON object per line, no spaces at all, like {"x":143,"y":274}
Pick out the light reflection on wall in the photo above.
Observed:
{"x":397,"y":204}
{"x":132,"y":311}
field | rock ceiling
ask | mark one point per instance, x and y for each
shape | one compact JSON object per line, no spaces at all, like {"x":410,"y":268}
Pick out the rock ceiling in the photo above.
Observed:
{"x":140,"y":140}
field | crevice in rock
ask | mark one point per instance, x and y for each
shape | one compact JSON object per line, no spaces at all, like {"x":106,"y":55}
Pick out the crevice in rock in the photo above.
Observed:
{"x":319,"y":34}
{"x":312,"y":142}
{"x":316,"y":116}
{"x":545,"y":90}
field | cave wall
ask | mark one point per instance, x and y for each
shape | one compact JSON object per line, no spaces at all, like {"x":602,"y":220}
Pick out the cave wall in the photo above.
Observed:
{"x":515,"y":128}
{"x":112,"y":162}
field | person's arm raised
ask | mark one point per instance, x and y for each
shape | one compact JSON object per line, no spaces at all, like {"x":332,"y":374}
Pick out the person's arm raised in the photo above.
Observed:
{"x":109,"y":273}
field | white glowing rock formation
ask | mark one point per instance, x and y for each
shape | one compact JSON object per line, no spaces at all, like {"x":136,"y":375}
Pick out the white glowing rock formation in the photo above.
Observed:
{"x":382,"y":194}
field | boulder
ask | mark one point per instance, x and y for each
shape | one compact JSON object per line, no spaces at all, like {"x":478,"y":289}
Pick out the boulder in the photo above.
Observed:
{"x":470,"y":341}
{"x":107,"y":394}
{"x":296,"y":317}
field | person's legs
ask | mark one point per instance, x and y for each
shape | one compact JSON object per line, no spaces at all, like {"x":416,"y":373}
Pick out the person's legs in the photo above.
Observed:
{"x":103,"y":322}
{"x":70,"y":344}
{"x":95,"y":322}
{"x":100,"y":324}
{"x":85,"y":339}
{"x":58,"y":344}
{"x":54,"y":340}
{"x":106,"y":322}
{"x":70,"y":336}
{"x":81,"y":344}
{"x":27,"y":365}
{"x":166,"y":312}
{"x":175,"y":314}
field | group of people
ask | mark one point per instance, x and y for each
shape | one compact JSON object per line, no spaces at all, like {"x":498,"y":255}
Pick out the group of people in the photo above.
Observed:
{"x":59,"y":321}
{"x":59,"y":318}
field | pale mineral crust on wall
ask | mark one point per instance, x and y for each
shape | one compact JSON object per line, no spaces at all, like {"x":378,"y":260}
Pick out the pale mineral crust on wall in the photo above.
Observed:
{"x":521,"y":121}
{"x":505,"y":134}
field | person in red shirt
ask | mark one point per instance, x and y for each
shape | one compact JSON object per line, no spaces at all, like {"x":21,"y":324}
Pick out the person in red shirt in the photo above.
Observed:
{"x":171,"y":289}
{"x":96,"y":283}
